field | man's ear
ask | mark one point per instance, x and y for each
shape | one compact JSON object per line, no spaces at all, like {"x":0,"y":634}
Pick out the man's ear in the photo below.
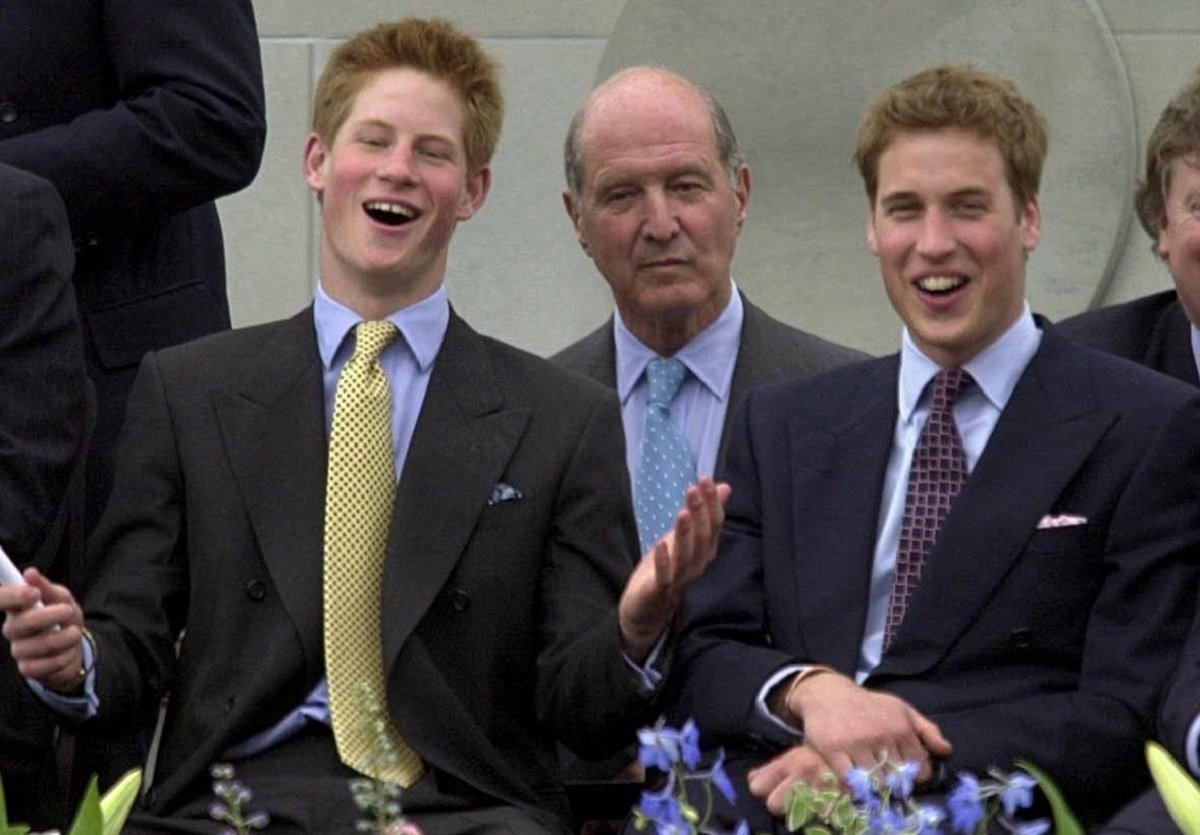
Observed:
{"x":575,"y":215}
{"x":315,"y":156}
{"x":476,"y":192}
{"x":741,"y":190}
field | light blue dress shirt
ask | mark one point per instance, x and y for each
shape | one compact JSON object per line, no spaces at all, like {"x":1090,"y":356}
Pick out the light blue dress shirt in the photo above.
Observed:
{"x":996,"y":370}
{"x":700,"y":406}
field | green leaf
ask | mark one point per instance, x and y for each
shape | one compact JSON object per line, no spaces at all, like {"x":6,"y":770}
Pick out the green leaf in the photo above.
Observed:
{"x":1180,"y":793}
{"x":88,"y":818}
{"x":1065,"y":822}
{"x":118,"y":801}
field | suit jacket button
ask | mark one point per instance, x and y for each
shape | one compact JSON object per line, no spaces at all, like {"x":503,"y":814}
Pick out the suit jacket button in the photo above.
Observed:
{"x":460,"y":601}
{"x":255,"y":590}
{"x":1021,"y":638}
{"x":8,"y":112}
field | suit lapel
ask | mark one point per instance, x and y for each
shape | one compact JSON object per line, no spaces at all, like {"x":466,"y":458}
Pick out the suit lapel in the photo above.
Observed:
{"x":464,"y":438}
{"x":837,"y":487}
{"x":1049,"y":427}
{"x":273,"y":425}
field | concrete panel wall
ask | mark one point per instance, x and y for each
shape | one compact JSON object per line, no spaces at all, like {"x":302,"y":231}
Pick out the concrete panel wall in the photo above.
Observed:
{"x":516,"y":271}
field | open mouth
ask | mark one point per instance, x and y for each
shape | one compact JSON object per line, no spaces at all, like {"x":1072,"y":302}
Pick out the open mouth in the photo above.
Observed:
{"x":389,"y":214}
{"x":940,"y":284}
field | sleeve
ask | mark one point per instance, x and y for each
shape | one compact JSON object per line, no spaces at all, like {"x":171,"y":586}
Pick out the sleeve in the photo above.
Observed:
{"x":45,"y":404}
{"x":187,"y":124}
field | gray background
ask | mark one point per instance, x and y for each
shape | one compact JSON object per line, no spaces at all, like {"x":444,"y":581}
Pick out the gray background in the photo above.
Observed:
{"x":794,"y":75}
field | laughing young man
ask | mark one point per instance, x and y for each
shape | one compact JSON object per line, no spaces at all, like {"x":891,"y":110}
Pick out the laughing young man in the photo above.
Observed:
{"x":505,"y":612}
{"x":977,"y":550}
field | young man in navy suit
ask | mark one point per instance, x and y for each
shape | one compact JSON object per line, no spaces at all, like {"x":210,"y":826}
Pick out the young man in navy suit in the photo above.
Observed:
{"x":1047,"y":613}
{"x":511,"y":611}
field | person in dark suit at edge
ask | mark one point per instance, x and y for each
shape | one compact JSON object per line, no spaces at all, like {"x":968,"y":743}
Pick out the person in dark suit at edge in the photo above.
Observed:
{"x":45,"y":413}
{"x":978,"y":550}
{"x":511,"y":608}
{"x":1159,"y":331}
{"x":141,"y":114}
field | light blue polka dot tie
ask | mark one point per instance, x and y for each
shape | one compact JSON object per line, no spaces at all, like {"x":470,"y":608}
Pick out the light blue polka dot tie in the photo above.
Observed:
{"x":665,"y":465}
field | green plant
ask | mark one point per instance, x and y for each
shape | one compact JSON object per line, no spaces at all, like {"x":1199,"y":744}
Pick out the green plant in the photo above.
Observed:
{"x":1180,"y":793}
{"x":96,"y":815}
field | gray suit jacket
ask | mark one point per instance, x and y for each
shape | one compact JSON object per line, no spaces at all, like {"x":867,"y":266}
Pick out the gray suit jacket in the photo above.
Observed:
{"x":770,"y":351}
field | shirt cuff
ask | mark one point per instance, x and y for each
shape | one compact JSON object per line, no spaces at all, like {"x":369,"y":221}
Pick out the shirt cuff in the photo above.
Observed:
{"x":84,"y":706}
{"x":760,"y":703}
{"x":650,"y":674}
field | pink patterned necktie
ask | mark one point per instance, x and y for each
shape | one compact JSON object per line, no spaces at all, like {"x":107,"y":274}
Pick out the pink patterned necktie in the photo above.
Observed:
{"x":939,"y":468}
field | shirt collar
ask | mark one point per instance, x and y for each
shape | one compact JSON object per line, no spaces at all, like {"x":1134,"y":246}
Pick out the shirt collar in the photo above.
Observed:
{"x":710,"y":355}
{"x":422,"y":325}
{"x":996,"y":369}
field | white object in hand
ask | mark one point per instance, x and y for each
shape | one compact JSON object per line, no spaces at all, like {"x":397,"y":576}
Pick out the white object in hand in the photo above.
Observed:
{"x":10,"y":575}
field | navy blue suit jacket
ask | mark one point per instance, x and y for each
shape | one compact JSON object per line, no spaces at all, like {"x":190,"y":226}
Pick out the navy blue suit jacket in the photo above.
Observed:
{"x":141,"y":113}
{"x":1020,"y":642}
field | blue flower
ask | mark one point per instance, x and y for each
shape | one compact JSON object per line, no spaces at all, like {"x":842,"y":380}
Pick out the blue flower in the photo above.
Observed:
{"x":901,"y":779}
{"x":966,"y":809}
{"x":689,"y":743}
{"x":1017,"y":793}
{"x":659,"y":747}
{"x":927,"y":819}
{"x":858,"y":780}
{"x":721,"y":779}
{"x":1037,"y":827}
{"x":665,"y":811}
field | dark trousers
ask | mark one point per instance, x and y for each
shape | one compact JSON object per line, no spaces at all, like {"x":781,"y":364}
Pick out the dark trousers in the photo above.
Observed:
{"x":304,"y":787}
{"x":1145,"y":815}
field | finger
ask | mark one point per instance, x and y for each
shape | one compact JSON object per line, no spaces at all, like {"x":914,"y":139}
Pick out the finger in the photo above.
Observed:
{"x":777,"y":799}
{"x":931,"y":736}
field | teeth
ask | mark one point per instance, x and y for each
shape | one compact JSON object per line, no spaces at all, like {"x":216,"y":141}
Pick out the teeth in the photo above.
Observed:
{"x":940,"y":283}
{"x":389,"y":208}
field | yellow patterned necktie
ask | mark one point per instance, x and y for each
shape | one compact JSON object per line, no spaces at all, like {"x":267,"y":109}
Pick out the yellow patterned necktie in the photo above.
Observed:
{"x":358,"y":512}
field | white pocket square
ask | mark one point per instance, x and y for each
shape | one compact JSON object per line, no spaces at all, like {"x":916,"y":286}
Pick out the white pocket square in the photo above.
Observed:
{"x":1061,"y":520}
{"x":504,"y":493}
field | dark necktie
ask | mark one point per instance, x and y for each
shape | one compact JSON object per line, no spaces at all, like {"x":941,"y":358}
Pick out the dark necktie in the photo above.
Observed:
{"x":665,"y":465}
{"x":939,"y":468}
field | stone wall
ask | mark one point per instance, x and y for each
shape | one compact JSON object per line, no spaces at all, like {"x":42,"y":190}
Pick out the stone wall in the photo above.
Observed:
{"x":794,"y":75}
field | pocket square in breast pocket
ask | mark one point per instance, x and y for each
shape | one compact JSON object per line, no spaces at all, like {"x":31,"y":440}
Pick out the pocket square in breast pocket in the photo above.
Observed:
{"x":1061,"y":520}
{"x":503,"y":493}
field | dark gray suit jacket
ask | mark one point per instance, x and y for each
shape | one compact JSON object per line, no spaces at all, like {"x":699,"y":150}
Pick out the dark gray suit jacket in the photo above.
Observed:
{"x":500,"y":630}
{"x":1050,"y":644}
{"x":44,"y":400}
{"x":770,"y":351}
{"x":1152,"y":330}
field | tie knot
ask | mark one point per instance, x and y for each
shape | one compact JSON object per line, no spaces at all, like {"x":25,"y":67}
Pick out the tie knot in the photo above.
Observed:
{"x":664,"y":375}
{"x":370,"y":338}
{"x":948,"y":385}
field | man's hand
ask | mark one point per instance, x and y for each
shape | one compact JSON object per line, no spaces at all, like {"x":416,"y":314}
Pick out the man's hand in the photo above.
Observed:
{"x":675,"y":562}
{"x":772,"y":780}
{"x":46,"y":641}
{"x":848,"y":725}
